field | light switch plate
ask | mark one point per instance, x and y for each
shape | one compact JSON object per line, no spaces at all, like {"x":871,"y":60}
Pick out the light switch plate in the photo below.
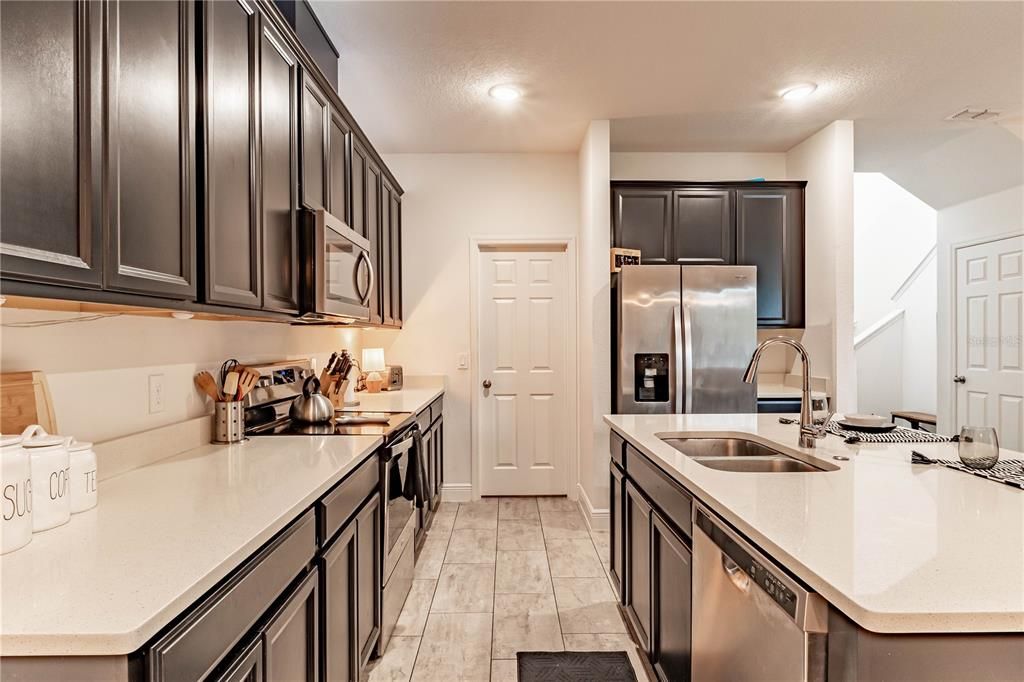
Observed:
{"x":463,"y":360}
{"x":156,"y":393}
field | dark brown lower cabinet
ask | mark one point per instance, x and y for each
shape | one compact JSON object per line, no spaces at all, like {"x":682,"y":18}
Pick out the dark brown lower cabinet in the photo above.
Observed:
{"x":638,"y":563}
{"x":369,"y":531}
{"x":617,"y":488}
{"x":247,"y":666}
{"x":291,"y":638}
{"x":671,"y":563}
{"x":339,"y":585}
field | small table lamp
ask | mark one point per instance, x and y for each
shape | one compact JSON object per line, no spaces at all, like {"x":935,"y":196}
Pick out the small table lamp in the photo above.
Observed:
{"x":373,"y":364}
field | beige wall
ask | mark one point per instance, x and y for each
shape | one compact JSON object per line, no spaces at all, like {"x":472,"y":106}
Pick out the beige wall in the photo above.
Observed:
{"x":696,"y":166}
{"x":594,"y":320}
{"x":99,"y":371}
{"x":449,"y":198}
{"x":825,"y":161}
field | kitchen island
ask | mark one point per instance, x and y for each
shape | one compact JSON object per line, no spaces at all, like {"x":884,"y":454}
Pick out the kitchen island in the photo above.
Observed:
{"x":905,"y":555}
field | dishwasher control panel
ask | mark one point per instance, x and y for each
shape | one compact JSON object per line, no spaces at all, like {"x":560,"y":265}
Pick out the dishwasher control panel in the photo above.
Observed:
{"x":763,"y":576}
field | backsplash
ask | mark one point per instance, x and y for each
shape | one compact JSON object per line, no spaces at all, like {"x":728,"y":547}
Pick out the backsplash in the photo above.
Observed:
{"x":99,"y":371}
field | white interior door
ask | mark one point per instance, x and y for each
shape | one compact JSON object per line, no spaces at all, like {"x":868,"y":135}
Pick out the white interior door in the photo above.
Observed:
{"x":989,"y":356}
{"x":523,"y":425}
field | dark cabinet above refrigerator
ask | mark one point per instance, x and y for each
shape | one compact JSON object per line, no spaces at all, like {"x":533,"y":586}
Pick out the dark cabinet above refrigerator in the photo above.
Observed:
{"x":721,"y":223}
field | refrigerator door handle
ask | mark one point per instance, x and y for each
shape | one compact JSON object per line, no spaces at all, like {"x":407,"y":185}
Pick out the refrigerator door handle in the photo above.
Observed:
{"x":688,"y":359}
{"x":677,"y":360}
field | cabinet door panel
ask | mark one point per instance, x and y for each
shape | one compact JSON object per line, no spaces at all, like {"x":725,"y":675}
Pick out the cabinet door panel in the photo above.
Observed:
{"x":358,"y":196}
{"x":151,"y":226}
{"x":670,"y":588}
{"x":372,"y":210}
{"x":702,"y":227}
{"x":48,"y":165}
{"x":769,"y":234}
{"x":247,"y":667}
{"x":291,"y":638}
{"x":340,"y":596}
{"x":617,"y":512}
{"x":315,"y":112}
{"x":338,"y":138}
{"x":232,"y":225}
{"x":384,"y":269}
{"x":638,"y":563}
{"x":396,"y":259}
{"x":642,"y":219}
{"x":279,"y":142}
{"x":368,"y":577}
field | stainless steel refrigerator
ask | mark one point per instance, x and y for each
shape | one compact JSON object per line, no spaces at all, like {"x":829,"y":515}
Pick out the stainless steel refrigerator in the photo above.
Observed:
{"x":685,"y":336}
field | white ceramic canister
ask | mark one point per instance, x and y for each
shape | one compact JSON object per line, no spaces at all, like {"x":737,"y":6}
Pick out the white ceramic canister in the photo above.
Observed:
{"x":83,"y":476}
{"x":16,"y":499}
{"x":51,"y":496}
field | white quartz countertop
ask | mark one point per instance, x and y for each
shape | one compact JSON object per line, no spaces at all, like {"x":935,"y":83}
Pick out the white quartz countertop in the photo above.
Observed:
{"x":160,"y":537}
{"x":897,"y":547}
{"x":409,"y":399}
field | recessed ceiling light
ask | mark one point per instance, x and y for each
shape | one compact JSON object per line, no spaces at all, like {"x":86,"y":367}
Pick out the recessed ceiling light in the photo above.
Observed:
{"x":801,"y":91}
{"x":505,"y":93}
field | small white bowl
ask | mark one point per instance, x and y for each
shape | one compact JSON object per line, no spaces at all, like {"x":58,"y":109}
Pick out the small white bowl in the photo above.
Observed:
{"x":870,"y":420}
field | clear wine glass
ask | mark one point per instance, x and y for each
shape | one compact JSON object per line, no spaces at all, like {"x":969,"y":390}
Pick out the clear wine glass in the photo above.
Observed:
{"x":979,"y":447}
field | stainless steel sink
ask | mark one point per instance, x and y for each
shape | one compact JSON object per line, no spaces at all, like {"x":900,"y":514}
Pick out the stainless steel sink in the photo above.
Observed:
{"x":742,"y":455}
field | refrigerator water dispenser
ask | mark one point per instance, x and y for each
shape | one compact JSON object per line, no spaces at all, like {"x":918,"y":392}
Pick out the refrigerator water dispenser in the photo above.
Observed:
{"x":651,"y":377}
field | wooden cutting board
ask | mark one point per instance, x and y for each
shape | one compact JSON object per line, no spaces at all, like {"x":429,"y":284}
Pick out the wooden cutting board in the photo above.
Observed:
{"x":25,"y":400}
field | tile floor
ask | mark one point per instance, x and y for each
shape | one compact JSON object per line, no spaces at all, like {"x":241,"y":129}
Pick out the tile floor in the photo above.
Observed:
{"x":500,"y":576}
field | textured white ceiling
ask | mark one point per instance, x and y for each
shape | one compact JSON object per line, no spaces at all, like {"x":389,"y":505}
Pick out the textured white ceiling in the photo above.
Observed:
{"x":673,"y":76}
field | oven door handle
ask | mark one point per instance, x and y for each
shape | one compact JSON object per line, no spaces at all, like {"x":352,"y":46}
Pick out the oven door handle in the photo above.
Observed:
{"x":403,"y":446}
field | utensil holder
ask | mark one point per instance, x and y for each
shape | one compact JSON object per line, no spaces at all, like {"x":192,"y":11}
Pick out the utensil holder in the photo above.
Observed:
{"x":228,"y":422}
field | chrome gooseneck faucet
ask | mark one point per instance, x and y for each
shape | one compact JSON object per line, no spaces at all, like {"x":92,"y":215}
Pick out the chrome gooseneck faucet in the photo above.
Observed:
{"x":809,"y":433}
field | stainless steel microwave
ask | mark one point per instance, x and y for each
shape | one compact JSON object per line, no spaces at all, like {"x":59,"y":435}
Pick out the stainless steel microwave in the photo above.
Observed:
{"x":338,"y":277}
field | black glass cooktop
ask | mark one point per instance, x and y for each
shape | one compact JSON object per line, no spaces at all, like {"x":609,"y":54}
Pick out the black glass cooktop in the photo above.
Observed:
{"x":344,"y":424}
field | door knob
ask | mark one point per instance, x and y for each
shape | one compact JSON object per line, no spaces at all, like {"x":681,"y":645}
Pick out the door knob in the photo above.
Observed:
{"x":487,"y":383}
{"x":959,"y":379}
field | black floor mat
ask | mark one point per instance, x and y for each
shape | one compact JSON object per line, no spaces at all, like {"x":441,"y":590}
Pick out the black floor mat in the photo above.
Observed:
{"x":574,"y":666}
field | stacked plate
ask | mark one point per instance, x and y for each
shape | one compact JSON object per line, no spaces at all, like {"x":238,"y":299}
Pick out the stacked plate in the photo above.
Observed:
{"x":867,"y":423}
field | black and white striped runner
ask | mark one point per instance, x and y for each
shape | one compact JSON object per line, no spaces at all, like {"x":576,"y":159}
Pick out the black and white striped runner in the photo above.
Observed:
{"x":1008,"y":471}
{"x":898,"y":435}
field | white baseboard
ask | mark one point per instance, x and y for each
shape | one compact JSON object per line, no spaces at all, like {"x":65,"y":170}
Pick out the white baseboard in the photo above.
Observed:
{"x":456,"y":492}
{"x":597,"y":519}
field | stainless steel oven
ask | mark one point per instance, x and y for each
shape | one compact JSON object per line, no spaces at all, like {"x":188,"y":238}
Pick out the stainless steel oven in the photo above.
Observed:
{"x":338,"y":278}
{"x":399,"y":527}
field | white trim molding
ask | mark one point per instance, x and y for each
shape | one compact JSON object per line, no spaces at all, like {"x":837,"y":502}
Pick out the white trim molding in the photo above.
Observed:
{"x":597,"y":519}
{"x":878,"y":327}
{"x":456,"y":492}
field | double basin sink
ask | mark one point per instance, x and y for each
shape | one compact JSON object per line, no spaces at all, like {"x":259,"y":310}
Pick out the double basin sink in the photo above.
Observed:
{"x":742,"y":455}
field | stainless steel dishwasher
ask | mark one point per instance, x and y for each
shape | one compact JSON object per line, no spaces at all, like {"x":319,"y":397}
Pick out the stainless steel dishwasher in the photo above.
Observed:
{"x":751,"y":621}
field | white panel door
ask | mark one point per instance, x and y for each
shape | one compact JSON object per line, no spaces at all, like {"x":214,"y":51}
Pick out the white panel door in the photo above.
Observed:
{"x":989,"y":355}
{"x":523,"y":437}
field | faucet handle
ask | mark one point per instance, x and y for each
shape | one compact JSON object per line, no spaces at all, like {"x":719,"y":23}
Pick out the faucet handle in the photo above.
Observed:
{"x":819,"y":431}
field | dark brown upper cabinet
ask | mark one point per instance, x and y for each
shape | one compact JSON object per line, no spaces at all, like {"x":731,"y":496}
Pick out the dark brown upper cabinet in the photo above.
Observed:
{"x":722,"y":223}
{"x":50,"y":60}
{"x":386,"y":283}
{"x":358,"y":195}
{"x":339,"y":138}
{"x":372,"y":212}
{"x":642,"y":219}
{"x":232,"y":233}
{"x":702,"y":227}
{"x":150,"y":183}
{"x":316,"y":112}
{"x":396,"y":258}
{"x":279,"y":142}
{"x":770,"y":235}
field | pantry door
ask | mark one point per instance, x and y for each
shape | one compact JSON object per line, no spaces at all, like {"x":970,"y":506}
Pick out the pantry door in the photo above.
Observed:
{"x":524,"y":430}
{"x":989,"y":358}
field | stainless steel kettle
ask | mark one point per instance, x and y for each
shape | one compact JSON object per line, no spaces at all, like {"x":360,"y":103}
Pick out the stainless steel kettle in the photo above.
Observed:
{"x":312,"y":407}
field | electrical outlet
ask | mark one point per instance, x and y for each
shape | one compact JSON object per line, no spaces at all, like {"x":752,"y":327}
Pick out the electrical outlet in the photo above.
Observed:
{"x":156,"y":393}
{"x":463,"y":360}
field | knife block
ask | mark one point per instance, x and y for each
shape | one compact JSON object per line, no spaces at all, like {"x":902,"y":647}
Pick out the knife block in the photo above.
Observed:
{"x":335,"y":392}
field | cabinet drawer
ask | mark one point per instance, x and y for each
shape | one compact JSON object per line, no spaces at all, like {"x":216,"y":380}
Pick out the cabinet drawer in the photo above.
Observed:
{"x":616,"y":449}
{"x":435,"y":409}
{"x":423,"y":419}
{"x":194,"y":646}
{"x":341,"y":503}
{"x":675,"y":503}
